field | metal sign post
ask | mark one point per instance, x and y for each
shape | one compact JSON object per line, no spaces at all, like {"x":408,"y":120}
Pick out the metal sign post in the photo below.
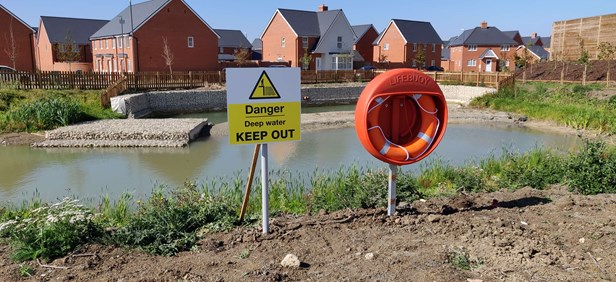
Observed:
{"x":264,"y":189}
{"x":391,"y":189}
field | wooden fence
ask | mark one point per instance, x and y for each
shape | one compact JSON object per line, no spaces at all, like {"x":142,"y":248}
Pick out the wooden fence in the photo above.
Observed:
{"x":488,"y":79}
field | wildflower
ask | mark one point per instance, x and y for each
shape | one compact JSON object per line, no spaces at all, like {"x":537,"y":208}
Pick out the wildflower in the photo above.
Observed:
{"x":77,"y":218}
{"x":6,"y":225}
{"x":51,"y":219}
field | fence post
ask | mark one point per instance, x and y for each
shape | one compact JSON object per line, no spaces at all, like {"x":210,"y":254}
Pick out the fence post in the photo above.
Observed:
{"x":462,"y":76}
{"x":478,"y":78}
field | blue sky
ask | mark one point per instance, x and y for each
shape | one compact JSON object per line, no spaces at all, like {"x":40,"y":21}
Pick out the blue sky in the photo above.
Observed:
{"x":448,"y":17}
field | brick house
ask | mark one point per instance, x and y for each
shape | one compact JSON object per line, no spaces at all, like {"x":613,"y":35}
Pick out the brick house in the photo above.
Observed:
{"x":482,"y":49}
{"x":63,"y":44}
{"x":445,"y":60}
{"x":134,"y":40}
{"x":231,"y":41}
{"x":325,"y":35}
{"x":366,"y":34}
{"x":400,"y":42}
{"x":16,"y":42}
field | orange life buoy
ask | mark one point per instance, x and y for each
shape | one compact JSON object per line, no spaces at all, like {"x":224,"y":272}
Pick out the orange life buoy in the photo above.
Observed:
{"x":401,"y":116}
{"x":419,"y":144}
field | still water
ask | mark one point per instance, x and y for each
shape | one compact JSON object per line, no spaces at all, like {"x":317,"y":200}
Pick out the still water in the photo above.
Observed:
{"x":90,"y":173}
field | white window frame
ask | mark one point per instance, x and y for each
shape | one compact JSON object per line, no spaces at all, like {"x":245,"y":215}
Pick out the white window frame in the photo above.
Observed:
{"x":128,"y":41}
{"x":507,"y":63}
{"x":414,"y":47}
{"x":94,"y":45}
{"x":129,"y":65}
{"x":282,"y":42}
{"x":505,"y":47}
{"x":305,"y":42}
{"x":414,"y":63}
{"x":433,"y":63}
{"x":471,"y":63}
{"x":191,"y":42}
{"x":386,"y":46}
{"x":221,"y":50}
{"x":433,"y":48}
{"x":472,"y":47}
{"x":339,"y":42}
{"x":113,"y":43}
{"x":121,"y":42}
{"x":100,"y":44}
{"x":115,"y":66}
{"x":106,"y":44}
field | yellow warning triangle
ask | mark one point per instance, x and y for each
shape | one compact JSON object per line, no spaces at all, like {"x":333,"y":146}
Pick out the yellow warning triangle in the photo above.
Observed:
{"x":264,"y":89}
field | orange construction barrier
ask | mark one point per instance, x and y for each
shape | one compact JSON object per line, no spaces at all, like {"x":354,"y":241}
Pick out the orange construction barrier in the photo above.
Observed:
{"x":401,"y":116}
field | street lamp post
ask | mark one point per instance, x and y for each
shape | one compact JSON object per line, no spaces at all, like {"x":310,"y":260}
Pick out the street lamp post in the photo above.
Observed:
{"x":123,"y":43}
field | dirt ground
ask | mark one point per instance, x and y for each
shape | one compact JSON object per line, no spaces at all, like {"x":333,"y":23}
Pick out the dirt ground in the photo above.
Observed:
{"x":597,"y":71}
{"x":526,"y":235}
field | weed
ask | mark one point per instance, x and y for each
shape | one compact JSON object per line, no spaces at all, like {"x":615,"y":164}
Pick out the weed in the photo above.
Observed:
{"x":460,"y":258}
{"x":245,"y":254}
{"x":25,"y":271}
{"x":592,"y":170}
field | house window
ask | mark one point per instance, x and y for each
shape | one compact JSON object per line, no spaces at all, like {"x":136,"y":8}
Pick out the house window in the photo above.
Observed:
{"x":98,"y":65}
{"x":507,"y":63}
{"x":432,"y":63}
{"x":106,"y":44}
{"x":122,"y":65}
{"x":221,"y":50}
{"x":94,"y":45}
{"x":128,"y":41}
{"x":414,"y":47}
{"x":472,"y":63}
{"x":339,"y":45}
{"x":386,"y":46}
{"x":120,"y":42}
{"x":191,"y":42}
{"x":342,"y":63}
{"x":472,"y":47}
{"x":433,"y":48}
{"x":113,"y":43}
{"x":115,"y":66}
{"x":414,"y":63}
{"x":100,"y":44}
{"x":282,"y":42}
{"x":130,"y":69}
{"x":505,"y":47}
{"x":305,"y":42}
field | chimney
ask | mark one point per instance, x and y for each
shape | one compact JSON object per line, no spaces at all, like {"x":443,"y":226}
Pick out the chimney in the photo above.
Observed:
{"x":533,"y":35}
{"x":484,"y":25}
{"x":323,"y":8}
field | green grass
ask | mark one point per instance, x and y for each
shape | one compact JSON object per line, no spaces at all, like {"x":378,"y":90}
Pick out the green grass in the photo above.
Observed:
{"x":171,"y":219}
{"x":34,"y":110}
{"x":567,"y":105}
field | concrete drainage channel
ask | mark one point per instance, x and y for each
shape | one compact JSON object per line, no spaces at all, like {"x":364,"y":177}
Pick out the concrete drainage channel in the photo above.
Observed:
{"x":137,"y":131}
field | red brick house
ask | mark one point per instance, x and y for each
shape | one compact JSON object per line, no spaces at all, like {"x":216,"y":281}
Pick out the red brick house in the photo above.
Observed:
{"x":482,"y":49}
{"x":230,"y":42}
{"x":325,"y":35}
{"x":134,"y":40}
{"x":366,"y":34}
{"x":400,"y":42}
{"x":63,"y":44}
{"x":16,"y":42}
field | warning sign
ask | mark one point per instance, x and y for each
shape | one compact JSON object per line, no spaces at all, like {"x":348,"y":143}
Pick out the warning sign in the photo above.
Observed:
{"x":264,"y":89}
{"x":263,"y":105}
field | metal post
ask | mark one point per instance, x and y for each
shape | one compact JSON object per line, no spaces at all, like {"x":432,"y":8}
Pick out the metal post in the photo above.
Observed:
{"x":391,"y":188}
{"x":264,"y":189}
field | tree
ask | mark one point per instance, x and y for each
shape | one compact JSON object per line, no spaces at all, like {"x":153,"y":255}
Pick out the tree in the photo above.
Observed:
{"x":502,"y":62}
{"x":420,"y":57}
{"x":167,"y":55}
{"x":522,"y":61}
{"x":11,"y":46}
{"x":68,"y":51}
{"x":583,"y":59}
{"x":241,"y":56}
{"x":606,"y":52}
{"x":383,"y":60}
{"x":306,"y":59}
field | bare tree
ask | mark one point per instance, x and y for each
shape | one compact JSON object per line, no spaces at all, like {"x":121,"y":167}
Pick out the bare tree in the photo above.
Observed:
{"x":68,"y":51}
{"x":167,"y":55}
{"x":241,"y":56}
{"x":606,"y":52}
{"x":11,"y":45}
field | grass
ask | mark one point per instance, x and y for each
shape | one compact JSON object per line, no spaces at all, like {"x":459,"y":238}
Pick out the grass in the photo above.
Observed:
{"x":34,"y":110}
{"x":170,"y":219}
{"x":461,"y":259}
{"x":567,"y":105}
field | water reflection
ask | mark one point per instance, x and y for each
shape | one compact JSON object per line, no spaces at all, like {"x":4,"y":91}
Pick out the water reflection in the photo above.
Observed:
{"x":87,"y":173}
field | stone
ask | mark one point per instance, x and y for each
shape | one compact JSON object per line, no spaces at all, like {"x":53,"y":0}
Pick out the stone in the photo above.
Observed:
{"x":290,"y":260}
{"x":523,"y":118}
{"x":433,"y":218}
{"x":369,"y":256}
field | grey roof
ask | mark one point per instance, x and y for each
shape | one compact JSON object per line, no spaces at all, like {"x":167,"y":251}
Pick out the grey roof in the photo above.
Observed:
{"x":415,"y":32}
{"x":141,"y":12}
{"x":360,"y":30}
{"x":527,"y":40}
{"x":257,"y":44}
{"x":232,"y":38}
{"x":488,"y":53}
{"x":547,"y":41}
{"x":445,"y":55}
{"x":490,"y":36}
{"x":511,"y":33}
{"x":14,"y":16}
{"x":308,"y":23}
{"x":80,"y":30}
{"x":539,"y":51}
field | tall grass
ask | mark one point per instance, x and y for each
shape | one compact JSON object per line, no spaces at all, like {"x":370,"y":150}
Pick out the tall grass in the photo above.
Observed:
{"x":170,"y":220}
{"x":568,"y":105}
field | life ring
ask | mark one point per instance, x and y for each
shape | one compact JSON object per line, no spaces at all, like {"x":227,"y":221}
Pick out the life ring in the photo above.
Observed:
{"x":415,"y":148}
{"x":411,"y":130}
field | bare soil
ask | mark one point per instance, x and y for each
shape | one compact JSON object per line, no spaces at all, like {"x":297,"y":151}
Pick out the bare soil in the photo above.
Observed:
{"x":597,"y":71}
{"x":526,"y":235}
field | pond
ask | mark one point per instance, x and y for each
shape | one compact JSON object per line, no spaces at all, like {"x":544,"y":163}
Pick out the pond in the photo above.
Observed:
{"x":89,"y":173}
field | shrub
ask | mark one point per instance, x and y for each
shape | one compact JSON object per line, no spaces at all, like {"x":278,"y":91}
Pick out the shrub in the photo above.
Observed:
{"x":46,"y":113}
{"x":536,"y":169}
{"x":50,"y":231}
{"x":592,"y":170}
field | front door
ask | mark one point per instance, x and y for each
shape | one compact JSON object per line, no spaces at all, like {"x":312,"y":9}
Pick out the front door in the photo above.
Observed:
{"x":488,"y":65}
{"x":318,"y":63}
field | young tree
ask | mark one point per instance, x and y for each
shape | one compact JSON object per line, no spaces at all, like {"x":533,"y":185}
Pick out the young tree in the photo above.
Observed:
{"x":502,"y":62}
{"x":167,"y":55}
{"x":383,"y":60}
{"x":420,"y":57}
{"x":583,"y":59}
{"x":11,"y":46}
{"x":241,"y":56}
{"x":606,"y":52}
{"x":306,"y":59}
{"x":68,"y":51}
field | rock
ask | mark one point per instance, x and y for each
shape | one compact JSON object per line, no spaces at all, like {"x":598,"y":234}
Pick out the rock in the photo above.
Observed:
{"x":369,"y":256}
{"x":290,"y":260}
{"x":523,"y":118}
{"x":582,"y":240}
{"x":433,"y":218}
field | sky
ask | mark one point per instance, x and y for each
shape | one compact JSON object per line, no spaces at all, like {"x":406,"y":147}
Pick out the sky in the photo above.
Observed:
{"x":448,"y":17}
